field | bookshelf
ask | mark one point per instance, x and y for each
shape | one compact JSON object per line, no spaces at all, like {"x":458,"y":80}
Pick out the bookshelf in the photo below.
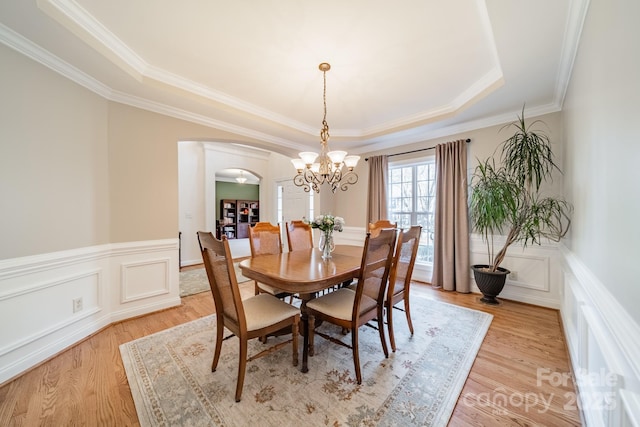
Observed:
{"x":236,"y":216}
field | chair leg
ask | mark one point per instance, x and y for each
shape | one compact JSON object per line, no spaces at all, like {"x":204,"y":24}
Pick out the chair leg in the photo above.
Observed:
{"x":242,"y":367}
{"x":294,"y":338}
{"x":219,"y":333}
{"x":311,"y":320}
{"x":392,"y":338}
{"x":356,"y":357}
{"x":381,"y":331}
{"x":407,"y":311}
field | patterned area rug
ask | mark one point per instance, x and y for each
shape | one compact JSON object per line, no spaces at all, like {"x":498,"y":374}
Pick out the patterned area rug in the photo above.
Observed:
{"x":195,"y":281}
{"x":172,"y":384}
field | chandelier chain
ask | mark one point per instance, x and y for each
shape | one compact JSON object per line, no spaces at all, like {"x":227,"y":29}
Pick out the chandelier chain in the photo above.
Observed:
{"x":324,"y":133}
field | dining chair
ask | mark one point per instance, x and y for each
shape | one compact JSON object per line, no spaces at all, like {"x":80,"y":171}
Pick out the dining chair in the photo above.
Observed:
{"x":400,"y":277}
{"x":375,"y":227}
{"x":299,"y":235}
{"x":255,"y":317}
{"x":351,"y":309}
{"x":265,"y":238}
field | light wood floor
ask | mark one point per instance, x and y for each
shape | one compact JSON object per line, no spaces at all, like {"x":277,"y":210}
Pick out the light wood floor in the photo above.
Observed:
{"x":86,"y":385}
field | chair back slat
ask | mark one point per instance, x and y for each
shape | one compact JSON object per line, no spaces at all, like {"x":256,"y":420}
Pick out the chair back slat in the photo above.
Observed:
{"x":404,"y":260}
{"x":218,"y":263}
{"x":264,"y":238}
{"x":376,"y":263}
{"x":375,"y":227}
{"x":299,"y":235}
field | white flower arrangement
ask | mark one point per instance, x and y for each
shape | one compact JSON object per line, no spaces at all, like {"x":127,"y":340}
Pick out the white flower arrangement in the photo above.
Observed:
{"x":327,"y":223}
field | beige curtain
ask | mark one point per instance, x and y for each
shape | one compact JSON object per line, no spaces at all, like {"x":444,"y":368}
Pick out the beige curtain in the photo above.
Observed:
{"x":377,"y":194}
{"x":451,"y":239}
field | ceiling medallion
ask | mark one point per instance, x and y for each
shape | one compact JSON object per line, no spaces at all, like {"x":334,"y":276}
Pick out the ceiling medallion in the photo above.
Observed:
{"x":315,"y":170}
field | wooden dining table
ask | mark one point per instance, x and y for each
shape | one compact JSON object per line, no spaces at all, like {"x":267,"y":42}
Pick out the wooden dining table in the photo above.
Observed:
{"x":305,"y":273}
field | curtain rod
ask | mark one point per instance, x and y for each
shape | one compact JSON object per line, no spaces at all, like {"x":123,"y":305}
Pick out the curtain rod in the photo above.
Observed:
{"x":414,"y":151}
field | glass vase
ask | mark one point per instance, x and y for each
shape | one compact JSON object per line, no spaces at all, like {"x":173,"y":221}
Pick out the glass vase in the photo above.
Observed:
{"x":326,"y":244}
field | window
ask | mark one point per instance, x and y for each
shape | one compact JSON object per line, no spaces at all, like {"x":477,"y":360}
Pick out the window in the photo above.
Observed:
{"x":412,"y":201}
{"x":311,"y":211}
{"x":279,"y":204}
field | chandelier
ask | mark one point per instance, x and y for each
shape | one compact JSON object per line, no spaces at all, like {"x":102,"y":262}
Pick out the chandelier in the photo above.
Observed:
{"x":314,"y":170}
{"x":241,"y":179}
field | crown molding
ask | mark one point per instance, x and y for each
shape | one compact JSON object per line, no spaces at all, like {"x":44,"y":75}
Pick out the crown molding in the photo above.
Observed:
{"x":72,"y":16}
{"x":575,"y":22}
{"x":33,"y":51}
{"x":178,"y":113}
{"x":416,"y":135}
{"x":236,"y":149}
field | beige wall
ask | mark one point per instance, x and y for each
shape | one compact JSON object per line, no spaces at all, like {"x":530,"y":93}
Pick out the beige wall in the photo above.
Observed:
{"x":602,"y":149}
{"x":143,"y":171}
{"x":54,"y":189}
{"x":77,"y":170}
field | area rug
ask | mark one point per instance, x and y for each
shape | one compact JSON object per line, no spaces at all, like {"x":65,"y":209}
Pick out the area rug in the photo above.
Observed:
{"x":195,"y":281}
{"x":172,"y":384}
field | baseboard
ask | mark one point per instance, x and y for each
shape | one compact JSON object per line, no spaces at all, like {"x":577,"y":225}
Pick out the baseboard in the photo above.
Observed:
{"x":187,"y":263}
{"x":55,"y":300}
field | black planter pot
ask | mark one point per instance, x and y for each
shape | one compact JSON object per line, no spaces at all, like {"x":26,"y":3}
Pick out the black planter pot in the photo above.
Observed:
{"x":490,"y":283}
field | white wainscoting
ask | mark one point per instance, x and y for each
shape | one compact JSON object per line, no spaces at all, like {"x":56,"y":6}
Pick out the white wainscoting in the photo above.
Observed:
{"x":114,"y":282}
{"x":348,"y":236}
{"x":536,"y":276}
{"x":604,"y":346}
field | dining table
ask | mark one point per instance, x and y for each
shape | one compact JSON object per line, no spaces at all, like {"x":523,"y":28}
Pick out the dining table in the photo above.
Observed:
{"x":305,"y":273}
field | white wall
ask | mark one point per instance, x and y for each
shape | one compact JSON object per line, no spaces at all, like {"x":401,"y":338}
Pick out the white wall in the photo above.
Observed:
{"x":113,"y":281}
{"x":198,"y":164}
{"x":191,"y":200}
{"x":602,"y":273}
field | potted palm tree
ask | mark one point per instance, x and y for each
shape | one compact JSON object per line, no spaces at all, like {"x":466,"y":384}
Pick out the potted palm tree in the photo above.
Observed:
{"x":507,"y":198}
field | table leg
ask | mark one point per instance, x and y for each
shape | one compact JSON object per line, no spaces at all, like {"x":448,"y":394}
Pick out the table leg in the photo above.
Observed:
{"x":305,"y":331}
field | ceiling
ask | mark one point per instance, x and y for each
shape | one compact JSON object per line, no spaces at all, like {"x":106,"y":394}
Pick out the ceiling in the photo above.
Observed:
{"x":230,"y":175}
{"x":401,"y":72}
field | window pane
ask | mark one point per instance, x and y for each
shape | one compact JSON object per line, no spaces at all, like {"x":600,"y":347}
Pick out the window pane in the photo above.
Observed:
{"x":406,"y":205}
{"x":431,"y":204}
{"x":423,"y":204}
{"x":407,"y":189}
{"x":407,"y":174}
{"x":396,"y":190}
{"x":423,"y":172}
{"x":407,"y":208}
{"x":403,"y":220}
{"x":422,"y":188}
{"x":426,"y":238}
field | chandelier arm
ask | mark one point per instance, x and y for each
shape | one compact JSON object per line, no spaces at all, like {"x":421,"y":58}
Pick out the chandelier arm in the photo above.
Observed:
{"x":299,"y":181}
{"x":349,"y":178}
{"x":313,"y":178}
{"x":336,"y":175}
